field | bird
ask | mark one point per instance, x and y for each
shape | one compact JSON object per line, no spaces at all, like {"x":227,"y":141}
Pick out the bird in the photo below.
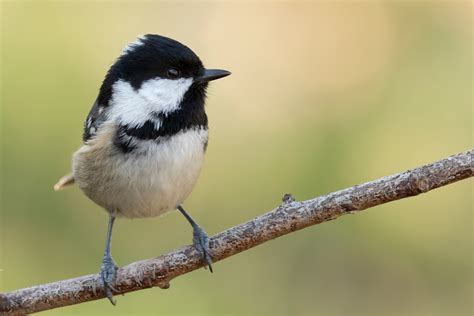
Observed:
{"x":145,"y":139}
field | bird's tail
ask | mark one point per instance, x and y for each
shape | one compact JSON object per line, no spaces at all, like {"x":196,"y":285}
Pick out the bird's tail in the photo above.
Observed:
{"x":64,"y":182}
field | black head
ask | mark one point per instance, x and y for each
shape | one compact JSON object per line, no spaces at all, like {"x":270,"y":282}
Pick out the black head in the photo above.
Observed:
{"x":154,"y":56}
{"x":157,"y":56}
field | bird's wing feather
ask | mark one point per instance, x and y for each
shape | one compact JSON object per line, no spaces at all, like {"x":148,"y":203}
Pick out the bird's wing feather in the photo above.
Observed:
{"x":93,"y":123}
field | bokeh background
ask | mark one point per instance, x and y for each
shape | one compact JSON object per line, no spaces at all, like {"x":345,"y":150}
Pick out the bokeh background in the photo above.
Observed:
{"x":323,"y":96}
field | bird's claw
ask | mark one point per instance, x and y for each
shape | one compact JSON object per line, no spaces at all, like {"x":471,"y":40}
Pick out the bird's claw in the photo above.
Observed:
{"x":201,"y":243}
{"x":108,"y":274}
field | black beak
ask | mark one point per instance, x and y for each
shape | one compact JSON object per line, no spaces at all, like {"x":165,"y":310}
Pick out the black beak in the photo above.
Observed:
{"x":212,"y":74}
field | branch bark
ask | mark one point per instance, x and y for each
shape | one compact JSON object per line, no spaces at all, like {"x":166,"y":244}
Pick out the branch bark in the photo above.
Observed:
{"x":287,"y":218}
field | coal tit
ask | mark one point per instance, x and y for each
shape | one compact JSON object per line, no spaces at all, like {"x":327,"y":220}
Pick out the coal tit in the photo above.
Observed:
{"x":145,"y":138}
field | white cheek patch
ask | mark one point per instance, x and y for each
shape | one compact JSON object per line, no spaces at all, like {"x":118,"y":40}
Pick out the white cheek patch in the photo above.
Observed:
{"x":134,"y":107}
{"x":166,"y":94}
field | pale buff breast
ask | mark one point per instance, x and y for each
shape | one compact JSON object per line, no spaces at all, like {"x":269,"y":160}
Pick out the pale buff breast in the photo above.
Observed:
{"x":149,"y":181}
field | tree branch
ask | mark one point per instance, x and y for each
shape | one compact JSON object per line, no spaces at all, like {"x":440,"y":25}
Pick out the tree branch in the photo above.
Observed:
{"x":287,"y":218}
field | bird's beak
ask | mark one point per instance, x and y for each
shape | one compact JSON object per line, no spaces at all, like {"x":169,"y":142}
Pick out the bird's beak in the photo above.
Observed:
{"x":212,"y":74}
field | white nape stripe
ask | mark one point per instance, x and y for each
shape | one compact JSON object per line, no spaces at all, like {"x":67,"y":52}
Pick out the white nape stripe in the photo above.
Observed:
{"x":131,"y":46}
{"x":158,"y":95}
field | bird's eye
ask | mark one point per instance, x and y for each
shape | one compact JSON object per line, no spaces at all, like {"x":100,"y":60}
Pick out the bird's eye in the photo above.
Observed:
{"x":173,"y":73}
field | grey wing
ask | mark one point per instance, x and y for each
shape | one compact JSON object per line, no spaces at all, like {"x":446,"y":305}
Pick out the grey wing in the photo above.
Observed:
{"x":94,"y":120}
{"x":96,"y":117}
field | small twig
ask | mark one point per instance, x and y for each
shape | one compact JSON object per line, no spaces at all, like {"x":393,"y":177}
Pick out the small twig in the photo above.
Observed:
{"x":288,"y":217}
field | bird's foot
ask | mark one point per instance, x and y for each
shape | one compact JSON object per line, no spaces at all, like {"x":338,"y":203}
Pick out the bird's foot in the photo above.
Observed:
{"x":108,"y":273}
{"x":201,"y":243}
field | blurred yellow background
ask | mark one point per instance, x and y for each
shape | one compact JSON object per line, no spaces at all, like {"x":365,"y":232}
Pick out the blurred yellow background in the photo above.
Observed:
{"x":323,"y":96}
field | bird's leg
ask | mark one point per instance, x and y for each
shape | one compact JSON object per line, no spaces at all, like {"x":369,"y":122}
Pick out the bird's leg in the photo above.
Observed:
{"x":108,"y":271}
{"x":200,"y":238}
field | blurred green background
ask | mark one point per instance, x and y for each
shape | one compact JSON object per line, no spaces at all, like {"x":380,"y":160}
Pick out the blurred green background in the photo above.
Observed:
{"x":322,"y":96}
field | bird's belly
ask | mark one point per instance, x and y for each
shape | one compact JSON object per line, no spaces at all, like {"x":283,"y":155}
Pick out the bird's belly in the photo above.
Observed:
{"x":149,"y":181}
